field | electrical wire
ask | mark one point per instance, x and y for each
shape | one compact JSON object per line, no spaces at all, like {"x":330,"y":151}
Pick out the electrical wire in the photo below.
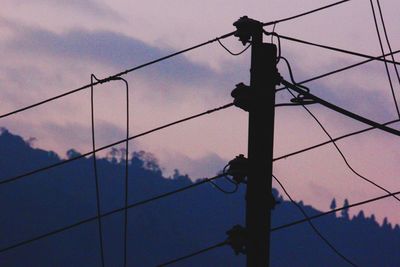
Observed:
{"x":387,"y":39}
{"x":96,"y":177}
{"x":126,"y":176}
{"x":340,"y":70}
{"x":305,"y":13}
{"x":340,"y":110}
{"x":333,"y":211}
{"x":232,"y":53}
{"x":272,"y":34}
{"x":334,"y":48}
{"x":332,"y":141}
{"x":343,"y":136}
{"x":323,"y":238}
{"x":93,"y":218}
{"x":279,"y":45}
{"x":115,"y":76}
{"x":18,"y":177}
{"x":386,"y":64}
{"x":215,"y":185}
{"x":193,"y":254}
{"x":153,"y":62}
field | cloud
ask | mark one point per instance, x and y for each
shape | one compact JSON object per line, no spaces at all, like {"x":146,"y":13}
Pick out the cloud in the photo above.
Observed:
{"x":108,"y":48}
{"x":204,"y":166}
{"x":86,"y":7}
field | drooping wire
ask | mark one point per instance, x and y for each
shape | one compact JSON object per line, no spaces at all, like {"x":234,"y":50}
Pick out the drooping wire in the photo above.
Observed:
{"x":232,"y":53}
{"x":386,"y":64}
{"x":292,"y":77}
{"x":235,"y":184}
{"x":272,"y":35}
{"x":279,"y":44}
{"x":371,"y":200}
{"x":109,"y":213}
{"x":234,"y":190}
{"x":323,"y":238}
{"x":332,"y":141}
{"x":96,"y":176}
{"x":193,"y":254}
{"x":387,"y":39}
{"x":126,"y":173}
{"x":18,"y":177}
{"x":334,"y":48}
{"x":126,"y":176}
{"x":305,"y":13}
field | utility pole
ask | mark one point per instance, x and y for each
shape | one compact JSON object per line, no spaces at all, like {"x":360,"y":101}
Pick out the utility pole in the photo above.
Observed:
{"x":259,"y":100}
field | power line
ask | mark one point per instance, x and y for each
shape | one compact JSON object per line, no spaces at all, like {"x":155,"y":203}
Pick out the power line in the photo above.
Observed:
{"x":341,"y":69}
{"x":96,"y":176}
{"x":341,"y":110}
{"x":333,"y":139}
{"x":15,"y":178}
{"x":333,"y":211}
{"x":152,"y":62}
{"x":330,"y":137}
{"x":126,"y":140}
{"x":305,"y":13}
{"x":193,"y":254}
{"x":387,"y":39}
{"x":334,"y":48}
{"x":330,"y":245}
{"x":90,"y":219}
{"x":386,"y":64}
{"x":343,"y":156}
{"x":115,"y":75}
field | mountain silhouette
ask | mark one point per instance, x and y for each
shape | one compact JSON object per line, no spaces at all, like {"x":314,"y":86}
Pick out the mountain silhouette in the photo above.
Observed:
{"x":161,"y":230}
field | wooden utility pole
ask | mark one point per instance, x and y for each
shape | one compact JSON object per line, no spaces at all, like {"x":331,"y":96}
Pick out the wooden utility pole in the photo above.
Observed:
{"x":260,"y":104}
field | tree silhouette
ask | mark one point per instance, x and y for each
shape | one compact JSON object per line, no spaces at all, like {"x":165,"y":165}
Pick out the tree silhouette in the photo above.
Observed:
{"x":333,"y":204}
{"x":345,"y":212}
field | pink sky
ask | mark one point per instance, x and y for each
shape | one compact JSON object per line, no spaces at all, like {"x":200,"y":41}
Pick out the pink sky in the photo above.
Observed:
{"x":51,"y":46}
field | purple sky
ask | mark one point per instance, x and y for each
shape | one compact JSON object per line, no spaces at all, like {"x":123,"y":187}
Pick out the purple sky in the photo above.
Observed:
{"x":51,"y":46}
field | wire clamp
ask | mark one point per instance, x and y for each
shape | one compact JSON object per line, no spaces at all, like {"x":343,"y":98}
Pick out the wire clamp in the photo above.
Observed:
{"x":237,"y":239}
{"x":302,"y":99}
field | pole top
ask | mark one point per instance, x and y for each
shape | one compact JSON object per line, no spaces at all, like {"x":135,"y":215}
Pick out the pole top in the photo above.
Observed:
{"x":247,"y":29}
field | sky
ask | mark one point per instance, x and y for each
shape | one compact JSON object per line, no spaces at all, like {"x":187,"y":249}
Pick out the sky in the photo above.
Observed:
{"x":52,"y":46}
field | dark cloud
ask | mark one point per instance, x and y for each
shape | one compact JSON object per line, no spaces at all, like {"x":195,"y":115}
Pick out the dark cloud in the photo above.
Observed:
{"x":111,"y":49}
